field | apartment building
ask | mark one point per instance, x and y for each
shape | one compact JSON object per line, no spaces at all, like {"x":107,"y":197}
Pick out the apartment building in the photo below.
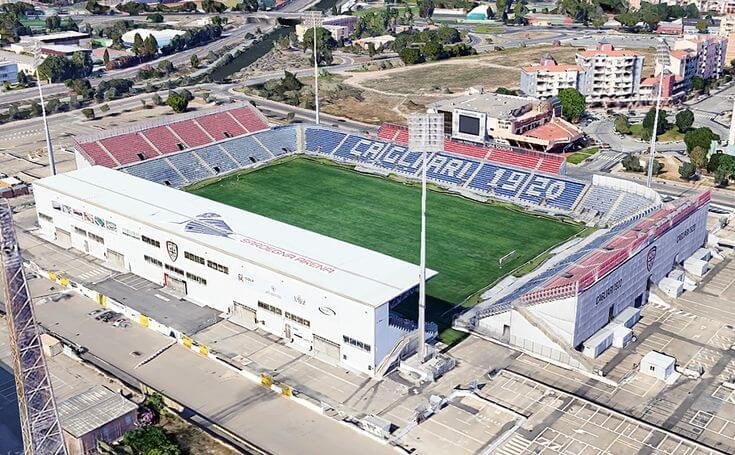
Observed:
{"x":727,"y":30}
{"x":548,"y":77}
{"x":711,"y":52}
{"x":8,"y":72}
{"x":683,"y":64}
{"x":609,"y":75}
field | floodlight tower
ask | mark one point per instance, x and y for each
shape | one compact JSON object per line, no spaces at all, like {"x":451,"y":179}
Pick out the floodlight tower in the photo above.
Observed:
{"x":425,"y":135}
{"x":662,"y":59}
{"x":49,"y":146}
{"x":313,"y":20}
{"x":39,"y":420}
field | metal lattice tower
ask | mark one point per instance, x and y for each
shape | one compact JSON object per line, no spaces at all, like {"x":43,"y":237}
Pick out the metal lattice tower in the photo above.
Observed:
{"x":39,"y":420}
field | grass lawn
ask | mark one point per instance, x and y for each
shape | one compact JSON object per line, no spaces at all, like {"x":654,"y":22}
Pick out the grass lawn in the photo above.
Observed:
{"x":465,"y":238}
{"x":486,"y":29}
{"x":578,"y":157}
{"x":672,"y":134}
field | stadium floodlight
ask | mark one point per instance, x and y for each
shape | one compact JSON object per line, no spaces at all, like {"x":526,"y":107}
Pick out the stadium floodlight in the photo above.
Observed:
{"x":313,"y":20}
{"x":662,"y":59}
{"x":425,"y":135}
{"x":49,"y":147}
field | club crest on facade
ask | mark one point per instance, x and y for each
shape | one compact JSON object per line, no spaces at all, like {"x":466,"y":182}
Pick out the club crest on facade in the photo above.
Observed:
{"x":173,"y":250}
{"x":650,"y":258}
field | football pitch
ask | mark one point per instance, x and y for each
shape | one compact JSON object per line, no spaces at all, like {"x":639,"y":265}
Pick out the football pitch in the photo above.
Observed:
{"x":465,"y":239}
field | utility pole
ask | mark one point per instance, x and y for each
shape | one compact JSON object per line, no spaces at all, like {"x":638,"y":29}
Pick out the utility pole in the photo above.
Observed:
{"x":662,"y":58}
{"x":425,"y":135}
{"x":313,"y":20}
{"x":49,"y":146}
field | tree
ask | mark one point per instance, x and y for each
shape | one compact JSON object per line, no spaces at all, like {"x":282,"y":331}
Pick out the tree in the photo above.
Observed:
{"x":698,"y":157}
{"x":692,"y":11}
{"x":105,"y":107}
{"x":177,"y":102}
{"x":720,"y":159}
{"x":698,"y":84}
{"x":150,"y":46}
{"x":80,"y":87}
{"x":156,"y":18}
{"x":622,"y":124}
{"x":150,"y":440}
{"x":53,"y":23}
{"x":700,"y":137}
{"x":433,"y":50}
{"x":722,"y":177}
{"x":648,"y":120}
{"x":56,"y":68}
{"x":194,"y":60}
{"x":212,"y":6}
{"x":138,"y":47}
{"x":702,"y":26}
{"x":573,"y":103}
{"x":88,"y":112}
{"x":106,"y":57}
{"x":505,"y":91}
{"x":687,"y":171}
{"x":411,"y":56}
{"x":684,"y":120}
{"x":82,"y":64}
{"x":23,"y":79}
{"x":632,"y":163}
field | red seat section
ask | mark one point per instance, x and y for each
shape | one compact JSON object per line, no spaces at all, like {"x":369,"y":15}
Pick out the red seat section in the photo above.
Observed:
{"x":163,"y":139}
{"x":389,"y":131}
{"x":514,"y":158}
{"x":191,"y":133}
{"x":220,"y":125}
{"x":251,"y":119}
{"x":465,"y":149}
{"x":126,"y":147}
{"x":551,"y":164}
{"x":95,"y":152}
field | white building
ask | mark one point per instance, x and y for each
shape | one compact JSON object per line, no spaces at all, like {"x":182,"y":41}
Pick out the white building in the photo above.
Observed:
{"x":8,"y":72}
{"x":163,"y":37}
{"x":660,"y":366}
{"x":548,"y":77}
{"x":610,"y":75}
{"x":325,"y":297}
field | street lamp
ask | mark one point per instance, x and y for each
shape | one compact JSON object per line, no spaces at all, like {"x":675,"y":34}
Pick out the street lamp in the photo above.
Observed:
{"x":662,"y":59}
{"x":425,"y":135}
{"x":49,"y":146}
{"x":313,"y":19}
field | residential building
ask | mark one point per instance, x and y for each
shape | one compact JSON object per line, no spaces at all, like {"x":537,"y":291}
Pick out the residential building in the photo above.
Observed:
{"x":711,"y":51}
{"x":548,"y":77}
{"x":29,"y":43}
{"x":610,"y":75}
{"x":340,"y":27}
{"x":8,"y":72}
{"x":673,"y":89}
{"x":727,"y":30}
{"x":379,"y":42}
{"x":682,"y":64}
{"x":675,"y":27}
{"x":505,"y":119}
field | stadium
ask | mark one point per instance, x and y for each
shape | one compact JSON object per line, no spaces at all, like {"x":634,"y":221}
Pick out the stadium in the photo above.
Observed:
{"x":311,"y":233}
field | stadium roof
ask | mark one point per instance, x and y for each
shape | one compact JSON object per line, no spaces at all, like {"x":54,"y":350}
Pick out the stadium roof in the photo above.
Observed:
{"x":493,"y":104}
{"x":92,"y":409}
{"x":339,"y":267}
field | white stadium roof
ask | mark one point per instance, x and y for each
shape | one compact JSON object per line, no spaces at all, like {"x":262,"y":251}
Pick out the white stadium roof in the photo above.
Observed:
{"x":339,"y":267}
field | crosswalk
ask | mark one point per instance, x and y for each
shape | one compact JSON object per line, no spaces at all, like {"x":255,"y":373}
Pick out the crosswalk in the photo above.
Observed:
{"x":21,"y":134}
{"x":516,"y":445}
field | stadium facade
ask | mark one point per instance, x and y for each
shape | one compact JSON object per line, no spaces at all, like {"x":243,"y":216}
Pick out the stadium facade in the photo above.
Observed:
{"x":325,"y":297}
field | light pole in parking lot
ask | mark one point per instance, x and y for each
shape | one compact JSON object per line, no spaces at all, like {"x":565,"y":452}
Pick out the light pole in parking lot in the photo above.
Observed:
{"x":49,"y":147}
{"x":313,"y":20}
{"x":662,"y":59}
{"x":425,"y":135}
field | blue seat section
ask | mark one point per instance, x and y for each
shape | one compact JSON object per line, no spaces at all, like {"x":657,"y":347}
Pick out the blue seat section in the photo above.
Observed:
{"x":190,"y":167}
{"x":279,"y":140}
{"x":399,"y":159}
{"x":450,"y":169}
{"x":214,"y":156}
{"x":498,"y":180}
{"x":553,"y":192}
{"x":598,"y":199}
{"x":246,"y":147}
{"x":157,"y":170}
{"x":630,"y":204}
{"x":322,"y":140}
{"x":355,"y":147}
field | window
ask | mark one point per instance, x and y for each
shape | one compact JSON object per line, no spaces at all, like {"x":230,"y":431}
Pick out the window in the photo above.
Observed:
{"x":355,"y":343}
{"x":270,"y":308}
{"x":80,"y":231}
{"x":150,"y":241}
{"x":297,"y":319}
{"x":171,"y":268}
{"x":652,"y":368}
{"x":45,"y":218}
{"x":153,"y":261}
{"x":218,"y":267}
{"x":194,"y":257}
{"x":96,"y":238}
{"x":196,"y":278}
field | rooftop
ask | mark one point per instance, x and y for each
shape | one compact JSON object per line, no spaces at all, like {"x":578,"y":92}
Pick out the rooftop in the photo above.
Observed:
{"x":551,"y":68}
{"x":610,"y":53}
{"x":338,"y":267}
{"x":91,"y":410}
{"x":493,"y":104}
{"x":557,"y":130}
{"x":55,"y":36}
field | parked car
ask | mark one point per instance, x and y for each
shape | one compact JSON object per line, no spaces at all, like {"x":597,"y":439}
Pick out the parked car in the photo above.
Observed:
{"x":94,"y":313}
{"x":107,"y":316}
{"x":121,"y":322}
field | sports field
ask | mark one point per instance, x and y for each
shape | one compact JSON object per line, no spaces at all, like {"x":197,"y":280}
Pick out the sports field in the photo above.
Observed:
{"x":465,"y":238}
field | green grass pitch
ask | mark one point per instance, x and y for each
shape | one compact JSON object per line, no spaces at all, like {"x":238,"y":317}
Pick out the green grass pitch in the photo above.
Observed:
{"x":465,"y":238}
